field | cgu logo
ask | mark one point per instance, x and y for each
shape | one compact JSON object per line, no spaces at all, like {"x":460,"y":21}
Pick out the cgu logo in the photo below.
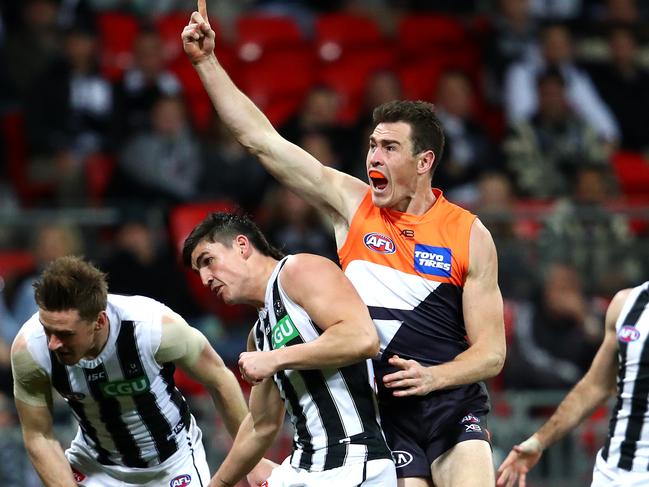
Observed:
{"x":401,"y":458}
{"x":378,"y":242}
{"x":131,"y":387}
{"x":180,"y":481}
{"x":283,"y":332}
{"x":628,"y":334}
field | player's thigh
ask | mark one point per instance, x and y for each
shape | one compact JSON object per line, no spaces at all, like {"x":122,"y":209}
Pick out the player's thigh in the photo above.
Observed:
{"x":467,"y":463}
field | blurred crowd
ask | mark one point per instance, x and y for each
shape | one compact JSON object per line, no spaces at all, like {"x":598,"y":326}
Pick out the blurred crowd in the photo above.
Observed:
{"x":545,"y":107}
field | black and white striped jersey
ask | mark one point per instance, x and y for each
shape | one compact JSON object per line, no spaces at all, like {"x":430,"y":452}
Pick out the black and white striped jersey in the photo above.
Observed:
{"x":333,"y":410}
{"x":627,"y":445}
{"x":129,"y":411}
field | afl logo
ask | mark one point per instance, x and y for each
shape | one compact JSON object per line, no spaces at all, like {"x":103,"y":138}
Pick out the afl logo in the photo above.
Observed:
{"x":401,"y":458}
{"x":378,"y":242}
{"x":628,"y":334}
{"x":181,"y":481}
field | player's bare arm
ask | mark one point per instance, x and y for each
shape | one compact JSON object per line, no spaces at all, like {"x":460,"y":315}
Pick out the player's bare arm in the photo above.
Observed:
{"x":33,"y":403}
{"x":257,"y":432}
{"x":334,"y":306}
{"x":188,"y":348}
{"x":592,"y":390}
{"x":482,"y":306}
{"x":332,"y":192}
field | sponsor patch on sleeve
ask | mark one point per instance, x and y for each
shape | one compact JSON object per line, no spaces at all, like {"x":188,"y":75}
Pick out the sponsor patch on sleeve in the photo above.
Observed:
{"x":436,"y":261}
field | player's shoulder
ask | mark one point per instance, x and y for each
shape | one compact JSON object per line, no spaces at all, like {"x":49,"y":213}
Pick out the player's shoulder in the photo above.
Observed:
{"x":304,"y":267}
{"x":134,"y":308}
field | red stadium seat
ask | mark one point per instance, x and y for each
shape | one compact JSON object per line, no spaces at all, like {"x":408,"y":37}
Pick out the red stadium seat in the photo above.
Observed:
{"x":99,"y":170}
{"x":418,"y":33}
{"x":257,"y":34}
{"x":12,"y":127}
{"x":117,"y":33}
{"x":632,"y":170}
{"x":349,"y":76}
{"x":275,"y":85}
{"x":15,"y":262}
{"x":419,"y":81}
{"x":337,"y":32}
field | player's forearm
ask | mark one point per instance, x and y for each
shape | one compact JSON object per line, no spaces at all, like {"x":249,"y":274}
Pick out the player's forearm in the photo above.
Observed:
{"x":248,"y":124}
{"x":229,"y":401}
{"x":49,"y":462}
{"x":338,"y":346}
{"x":580,"y":402}
{"x":248,"y":449}
{"x":475,"y":364}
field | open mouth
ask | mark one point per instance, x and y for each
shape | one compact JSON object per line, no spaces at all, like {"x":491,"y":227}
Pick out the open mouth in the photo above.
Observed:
{"x":378,"y":180}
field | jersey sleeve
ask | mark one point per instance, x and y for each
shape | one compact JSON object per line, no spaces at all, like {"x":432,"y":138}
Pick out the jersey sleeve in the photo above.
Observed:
{"x":31,"y":383}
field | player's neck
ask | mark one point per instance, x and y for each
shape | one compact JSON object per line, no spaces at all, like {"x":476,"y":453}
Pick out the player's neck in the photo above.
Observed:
{"x":417,"y":204}
{"x":264,"y":266}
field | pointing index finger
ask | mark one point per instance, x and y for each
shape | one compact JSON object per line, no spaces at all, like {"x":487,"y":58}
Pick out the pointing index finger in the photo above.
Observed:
{"x":202,"y":9}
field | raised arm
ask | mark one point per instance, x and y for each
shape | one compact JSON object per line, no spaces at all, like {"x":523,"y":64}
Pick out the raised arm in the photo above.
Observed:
{"x":333,"y":192}
{"x":32,"y":392}
{"x":596,"y":386}
{"x":189,"y":349}
{"x":256,"y":434}
{"x":332,"y":303}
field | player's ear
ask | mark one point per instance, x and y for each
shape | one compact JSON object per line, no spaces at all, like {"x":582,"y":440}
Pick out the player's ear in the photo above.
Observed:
{"x":243,"y":245}
{"x":425,"y":162}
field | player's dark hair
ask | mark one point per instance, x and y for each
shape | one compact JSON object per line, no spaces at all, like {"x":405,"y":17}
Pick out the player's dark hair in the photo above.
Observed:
{"x":426,"y":129}
{"x":69,"y":283}
{"x":223,"y":228}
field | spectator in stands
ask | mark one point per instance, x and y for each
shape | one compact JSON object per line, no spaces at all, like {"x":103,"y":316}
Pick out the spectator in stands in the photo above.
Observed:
{"x":381,"y":87}
{"x":161,"y":165}
{"x":512,"y":38}
{"x":544,"y":149}
{"x":555,"y":337}
{"x":583,"y":232}
{"x":142,"y":85}
{"x":319,"y":111}
{"x":230,"y":172}
{"x":8,"y":329}
{"x":623,"y":83}
{"x":295,"y":227}
{"x":36,"y":33}
{"x":521,"y":99}
{"x":140,"y":262}
{"x":468,"y":150}
{"x":51,"y":241}
{"x":496,"y":208}
{"x":68,"y":115}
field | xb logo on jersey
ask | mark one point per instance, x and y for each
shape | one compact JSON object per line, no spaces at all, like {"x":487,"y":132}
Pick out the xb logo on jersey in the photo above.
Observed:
{"x":131,"y":387}
{"x":283,"y":332}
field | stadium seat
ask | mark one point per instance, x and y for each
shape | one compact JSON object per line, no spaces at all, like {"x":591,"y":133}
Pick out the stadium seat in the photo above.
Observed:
{"x":257,"y":34}
{"x":336,"y":33}
{"x":419,"y":33}
{"x":12,"y":127}
{"x":14,"y":263}
{"x":99,"y":170}
{"x":632,"y":171}
{"x":349,"y":76}
{"x":117,"y":33}
{"x":275,"y":85}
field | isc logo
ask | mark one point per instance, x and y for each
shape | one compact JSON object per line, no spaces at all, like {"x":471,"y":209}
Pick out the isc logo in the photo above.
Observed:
{"x":379,"y":243}
{"x":181,"y":481}
{"x":628,"y":334}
